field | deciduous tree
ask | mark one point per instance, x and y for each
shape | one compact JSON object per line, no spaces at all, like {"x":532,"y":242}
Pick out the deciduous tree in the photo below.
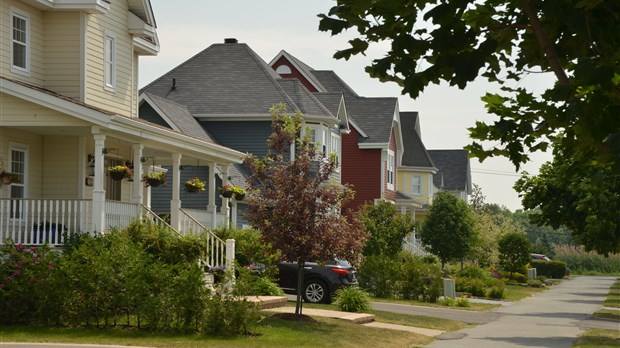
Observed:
{"x":295,"y":204}
{"x":386,"y":228}
{"x":448,"y":231}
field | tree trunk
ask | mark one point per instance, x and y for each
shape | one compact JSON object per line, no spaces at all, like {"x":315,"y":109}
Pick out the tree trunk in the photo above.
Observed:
{"x":300,"y":286}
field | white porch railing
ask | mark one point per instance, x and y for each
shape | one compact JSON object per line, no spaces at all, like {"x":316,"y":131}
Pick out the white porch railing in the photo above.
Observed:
{"x":37,"y":221}
{"x":216,"y":246}
{"x":205,"y":218}
{"x":120,"y":214}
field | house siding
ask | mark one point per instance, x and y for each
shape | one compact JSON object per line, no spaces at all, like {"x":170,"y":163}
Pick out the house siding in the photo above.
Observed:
{"x":122,"y":98}
{"x":390,"y":194}
{"x":36,"y":75}
{"x":161,"y":196}
{"x":294,"y":73}
{"x":60,"y":160}
{"x":35,"y":159}
{"x":361,"y":169}
{"x":62,"y":53}
{"x":29,"y":114}
{"x":149,"y":114}
{"x":405,"y":179}
{"x":244,"y":136}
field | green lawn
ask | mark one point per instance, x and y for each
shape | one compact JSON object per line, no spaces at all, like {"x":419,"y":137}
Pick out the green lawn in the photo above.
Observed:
{"x":598,"y":338}
{"x":476,"y":307}
{"x":612,"y":300}
{"x":401,"y":319}
{"x":272,"y":332}
{"x":518,"y":292}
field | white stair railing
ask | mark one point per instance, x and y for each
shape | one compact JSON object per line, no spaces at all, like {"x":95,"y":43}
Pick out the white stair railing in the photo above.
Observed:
{"x":216,"y":246}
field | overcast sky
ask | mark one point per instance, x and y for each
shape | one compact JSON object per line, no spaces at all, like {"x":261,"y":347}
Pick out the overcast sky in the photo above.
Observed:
{"x":186,"y":27}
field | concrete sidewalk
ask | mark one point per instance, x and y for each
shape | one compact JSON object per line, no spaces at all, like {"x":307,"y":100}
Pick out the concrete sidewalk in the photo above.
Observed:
{"x":553,"y":318}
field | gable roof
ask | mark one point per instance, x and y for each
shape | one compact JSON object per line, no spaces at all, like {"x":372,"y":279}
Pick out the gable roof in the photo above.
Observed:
{"x":223,"y":79}
{"x":177,"y":116}
{"x":374,"y":115}
{"x":303,"y":68}
{"x":453,"y":173}
{"x":414,"y":151}
{"x":307,"y":103}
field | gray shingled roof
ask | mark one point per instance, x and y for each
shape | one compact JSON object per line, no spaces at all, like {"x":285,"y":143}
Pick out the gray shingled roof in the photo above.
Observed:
{"x":454,"y":172}
{"x":330,"y":100}
{"x":333,"y":82}
{"x":414,"y":152}
{"x":181,"y":117}
{"x":373,"y":115}
{"x":307,"y":103}
{"x":223,"y":79}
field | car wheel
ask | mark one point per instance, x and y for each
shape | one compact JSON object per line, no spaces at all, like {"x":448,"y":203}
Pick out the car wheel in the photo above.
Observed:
{"x":316,"y":291}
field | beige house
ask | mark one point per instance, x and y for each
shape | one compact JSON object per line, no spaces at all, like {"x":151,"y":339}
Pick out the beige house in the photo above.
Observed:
{"x":68,"y":111}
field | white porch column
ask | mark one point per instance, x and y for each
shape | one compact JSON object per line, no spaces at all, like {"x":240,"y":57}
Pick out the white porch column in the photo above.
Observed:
{"x":233,"y":214}
{"x":98,"y":222}
{"x":175,"y":202}
{"x":225,"y":201}
{"x":211,"y":207}
{"x":137,"y":189}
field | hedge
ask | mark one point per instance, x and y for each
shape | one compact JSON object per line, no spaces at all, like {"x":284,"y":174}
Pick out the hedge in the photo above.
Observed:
{"x":553,"y":269}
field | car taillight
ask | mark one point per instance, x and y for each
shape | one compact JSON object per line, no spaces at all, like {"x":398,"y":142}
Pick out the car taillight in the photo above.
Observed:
{"x":340,"y":271}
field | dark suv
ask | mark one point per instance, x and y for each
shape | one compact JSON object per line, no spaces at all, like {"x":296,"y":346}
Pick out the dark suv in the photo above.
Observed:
{"x":320,"y":280}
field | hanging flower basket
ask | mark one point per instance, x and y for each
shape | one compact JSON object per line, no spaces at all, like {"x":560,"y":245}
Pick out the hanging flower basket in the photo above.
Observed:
{"x":8,"y":178}
{"x":155,"y":179}
{"x":119,"y":172}
{"x":239,"y":193}
{"x":195,"y":185}
{"x":226,"y":191}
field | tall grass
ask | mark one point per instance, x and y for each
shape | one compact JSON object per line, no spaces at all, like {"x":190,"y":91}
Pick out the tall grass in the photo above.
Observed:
{"x":581,"y":261}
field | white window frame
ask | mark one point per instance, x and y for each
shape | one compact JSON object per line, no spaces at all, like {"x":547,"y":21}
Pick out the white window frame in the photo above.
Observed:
{"x":319,"y":131}
{"x":15,"y":147}
{"x":109,"y":60}
{"x":390,"y":170}
{"x":416,"y":189}
{"x":334,"y":147}
{"x":25,"y":70}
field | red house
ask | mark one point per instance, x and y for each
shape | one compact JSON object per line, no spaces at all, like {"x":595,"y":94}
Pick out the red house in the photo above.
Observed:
{"x":373,"y":148}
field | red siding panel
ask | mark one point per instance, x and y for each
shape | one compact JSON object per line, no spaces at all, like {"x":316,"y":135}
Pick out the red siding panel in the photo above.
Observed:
{"x":294,"y":73}
{"x":360,"y":169}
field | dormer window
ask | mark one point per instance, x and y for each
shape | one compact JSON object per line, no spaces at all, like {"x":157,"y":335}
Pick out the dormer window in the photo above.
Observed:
{"x":109,"y":49}
{"x":390,"y":170}
{"x":20,"y":38}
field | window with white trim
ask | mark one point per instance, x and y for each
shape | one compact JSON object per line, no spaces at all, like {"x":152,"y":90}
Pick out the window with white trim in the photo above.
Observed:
{"x":416,"y":184}
{"x":20,"y":37}
{"x":334,"y":148}
{"x":17,"y":163}
{"x":390,"y":169}
{"x":316,"y":133}
{"x":109,"y":52}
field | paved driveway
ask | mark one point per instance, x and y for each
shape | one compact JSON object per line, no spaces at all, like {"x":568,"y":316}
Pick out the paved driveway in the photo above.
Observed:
{"x":553,"y":318}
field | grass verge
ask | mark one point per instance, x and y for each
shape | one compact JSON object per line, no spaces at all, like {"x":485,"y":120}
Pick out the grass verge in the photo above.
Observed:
{"x":598,"y":338}
{"x":475,"y":307}
{"x":612,"y":300}
{"x":400,"y":319}
{"x":518,"y":292}
{"x":272,"y":332}
{"x":608,"y":314}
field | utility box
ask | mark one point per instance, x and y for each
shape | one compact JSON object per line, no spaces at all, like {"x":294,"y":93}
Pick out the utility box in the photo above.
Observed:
{"x":449,"y":288}
{"x":531,"y":273}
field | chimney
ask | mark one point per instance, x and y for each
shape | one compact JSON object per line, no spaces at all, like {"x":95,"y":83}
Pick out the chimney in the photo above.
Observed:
{"x":230,"y":40}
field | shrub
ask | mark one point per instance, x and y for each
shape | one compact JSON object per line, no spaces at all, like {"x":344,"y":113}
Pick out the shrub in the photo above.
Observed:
{"x":496,"y":292}
{"x":462,"y":301}
{"x":474,"y":272}
{"x":249,"y":283}
{"x":448,"y":301}
{"x":227,"y":315}
{"x":553,"y":269}
{"x":24,"y":273}
{"x":420,"y":280}
{"x":379,"y":275}
{"x":474,"y":286}
{"x":351,"y":299}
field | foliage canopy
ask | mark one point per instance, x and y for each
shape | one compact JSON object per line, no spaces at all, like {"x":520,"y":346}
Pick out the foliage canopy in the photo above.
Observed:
{"x":503,"y":41}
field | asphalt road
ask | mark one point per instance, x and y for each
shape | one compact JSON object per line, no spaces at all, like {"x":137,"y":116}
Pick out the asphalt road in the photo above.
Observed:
{"x":550,"y":319}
